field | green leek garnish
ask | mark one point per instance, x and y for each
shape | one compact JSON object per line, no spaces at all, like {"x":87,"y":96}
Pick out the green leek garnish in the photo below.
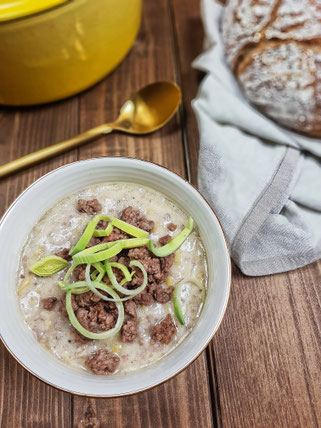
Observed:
{"x":98,"y":257}
{"x":105,"y":232}
{"x":129,"y":228}
{"x":124,"y":270}
{"x":78,"y":287}
{"x":48,"y":266}
{"x":90,"y":284}
{"x":133,"y":243}
{"x":101,"y":270}
{"x":125,"y":243}
{"x":174,"y":244}
{"x":177,"y":303}
{"x":68,"y":273}
{"x":96,"y":248}
{"x":121,"y":289}
{"x":90,"y":335}
{"x":107,"y":250}
{"x":94,"y":275}
{"x":81,"y":287}
{"x":177,"y":298}
{"x":88,"y":233}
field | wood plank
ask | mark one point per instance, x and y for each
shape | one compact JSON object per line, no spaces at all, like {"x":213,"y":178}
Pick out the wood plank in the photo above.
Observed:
{"x":188,"y":37}
{"x":24,"y":400}
{"x":265,"y":359}
{"x":183,"y":401}
{"x":188,"y":45}
{"x":180,"y":402}
{"x":267,"y":351}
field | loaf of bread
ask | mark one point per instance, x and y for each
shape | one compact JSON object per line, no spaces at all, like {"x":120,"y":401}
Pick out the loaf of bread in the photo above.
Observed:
{"x":274,"y":50}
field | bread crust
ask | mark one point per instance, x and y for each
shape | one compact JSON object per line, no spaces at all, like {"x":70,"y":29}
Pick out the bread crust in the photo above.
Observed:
{"x":274,"y":50}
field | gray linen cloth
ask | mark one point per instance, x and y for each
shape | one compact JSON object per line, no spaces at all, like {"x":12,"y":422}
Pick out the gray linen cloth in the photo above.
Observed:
{"x":263,"y":181}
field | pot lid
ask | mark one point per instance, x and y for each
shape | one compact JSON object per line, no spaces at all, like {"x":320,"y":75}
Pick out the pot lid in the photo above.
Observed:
{"x":14,"y":9}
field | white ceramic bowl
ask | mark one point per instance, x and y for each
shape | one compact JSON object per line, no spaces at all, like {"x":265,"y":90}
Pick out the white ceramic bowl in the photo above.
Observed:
{"x":30,"y":206}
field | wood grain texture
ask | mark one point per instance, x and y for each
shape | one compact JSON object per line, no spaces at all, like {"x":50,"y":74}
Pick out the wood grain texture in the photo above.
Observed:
{"x":188,"y":37}
{"x":267,"y":351}
{"x":181,"y":402}
{"x":24,"y":400}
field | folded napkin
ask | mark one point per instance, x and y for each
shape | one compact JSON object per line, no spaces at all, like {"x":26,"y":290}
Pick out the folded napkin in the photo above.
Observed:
{"x":263,"y":181}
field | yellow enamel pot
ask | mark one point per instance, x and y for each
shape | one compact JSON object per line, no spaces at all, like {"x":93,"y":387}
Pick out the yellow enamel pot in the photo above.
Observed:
{"x":55,"y":48}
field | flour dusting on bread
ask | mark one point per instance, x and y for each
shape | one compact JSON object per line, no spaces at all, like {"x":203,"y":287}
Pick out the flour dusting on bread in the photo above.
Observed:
{"x":274,"y":49}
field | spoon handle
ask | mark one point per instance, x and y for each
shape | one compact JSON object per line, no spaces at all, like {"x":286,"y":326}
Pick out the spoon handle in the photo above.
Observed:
{"x":53,"y":150}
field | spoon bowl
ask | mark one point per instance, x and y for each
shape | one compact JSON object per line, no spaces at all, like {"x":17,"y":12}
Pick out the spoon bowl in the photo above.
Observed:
{"x":149,"y":109}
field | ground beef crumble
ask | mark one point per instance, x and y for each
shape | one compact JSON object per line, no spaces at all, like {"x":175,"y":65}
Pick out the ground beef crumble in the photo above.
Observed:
{"x":95,"y":314}
{"x":105,"y":319}
{"x":130,"y":326}
{"x":112,"y":308}
{"x":86,"y":299}
{"x":102,"y":362}
{"x":87,"y":318}
{"x":132,"y":216}
{"x":49,"y":303}
{"x":167,"y":263}
{"x":79,"y":273}
{"x":164,"y":240}
{"x":93,"y":241}
{"x":64,"y":254}
{"x":115,"y":235}
{"x":147,"y":225}
{"x":157,"y":269}
{"x":140,"y":253}
{"x":165,"y":331}
{"x":130,"y":308}
{"x":144,"y":298}
{"x":129,"y":330}
{"x":162,"y":294}
{"x":89,"y":207}
{"x":171,"y":227}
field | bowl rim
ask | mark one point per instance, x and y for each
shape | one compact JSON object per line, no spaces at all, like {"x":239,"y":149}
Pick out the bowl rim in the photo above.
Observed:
{"x":229,"y":281}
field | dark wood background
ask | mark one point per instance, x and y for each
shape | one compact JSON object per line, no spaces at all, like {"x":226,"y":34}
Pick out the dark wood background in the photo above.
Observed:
{"x":263,"y":367}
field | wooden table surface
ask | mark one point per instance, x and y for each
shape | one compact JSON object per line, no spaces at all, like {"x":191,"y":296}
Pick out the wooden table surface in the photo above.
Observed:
{"x":262,"y":368}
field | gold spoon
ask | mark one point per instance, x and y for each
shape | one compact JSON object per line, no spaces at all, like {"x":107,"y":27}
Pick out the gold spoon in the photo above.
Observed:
{"x":149,"y":109}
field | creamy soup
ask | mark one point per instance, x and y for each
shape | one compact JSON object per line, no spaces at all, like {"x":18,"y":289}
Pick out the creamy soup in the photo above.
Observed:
{"x":139,"y":344}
